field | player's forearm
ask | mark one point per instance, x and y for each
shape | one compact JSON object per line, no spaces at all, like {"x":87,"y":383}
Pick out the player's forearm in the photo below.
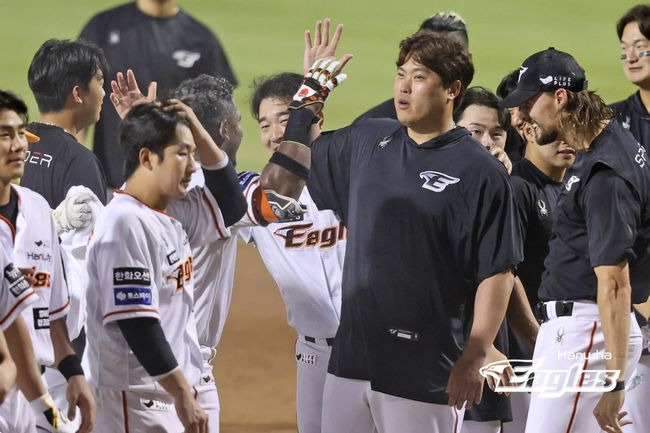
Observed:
{"x":209,"y":152}
{"x":490,"y":307}
{"x":614,"y":306}
{"x":176,"y":385}
{"x":7,"y":364}
{"x":520,"y":316}
{"x":60,"y":340}
{"x":28,"y":377}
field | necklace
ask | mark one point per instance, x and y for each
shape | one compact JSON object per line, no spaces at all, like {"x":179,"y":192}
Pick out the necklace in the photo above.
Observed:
{"x":55,"y":126}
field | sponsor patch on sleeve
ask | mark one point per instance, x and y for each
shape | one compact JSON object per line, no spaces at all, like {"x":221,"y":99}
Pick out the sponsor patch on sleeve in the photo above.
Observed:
{"x":132,"y":296}
{"x":12,"y":273}
{"x":17,"y":283}
{"x":131,"y":276}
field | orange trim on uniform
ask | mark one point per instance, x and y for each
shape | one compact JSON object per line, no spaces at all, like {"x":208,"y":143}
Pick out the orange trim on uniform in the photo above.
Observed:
{"x":133,"y":310}
{"x":582,"y":377}
{"x":2,"y":321}
{"x":119,"y":191}
{"x":213,"y":213}
{"x":125,"y":412}
{"x":11,"y":228}
{"x":58,"y":310}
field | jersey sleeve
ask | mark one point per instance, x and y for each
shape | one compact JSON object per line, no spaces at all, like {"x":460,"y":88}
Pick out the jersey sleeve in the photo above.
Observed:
{"x":612,"y":215}
{"x":59,"y":297}
{"x":85,"y":170}
{"x":496,"y":232}
{"x":329,"y":176}
{"x":15,"y":292}
{"x":200,"y":216}
{"x":523,"y":204}
{"x":126,"y":274}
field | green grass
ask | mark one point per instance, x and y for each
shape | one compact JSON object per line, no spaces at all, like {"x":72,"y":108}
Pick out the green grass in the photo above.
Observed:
{"x":263,"y":37}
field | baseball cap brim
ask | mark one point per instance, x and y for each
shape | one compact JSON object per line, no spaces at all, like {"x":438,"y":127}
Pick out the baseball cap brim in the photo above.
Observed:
{"x":32,"y":138}
{"x":517,"y":98}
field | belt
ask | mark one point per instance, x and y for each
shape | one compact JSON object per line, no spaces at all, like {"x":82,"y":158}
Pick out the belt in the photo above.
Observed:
{"x":329,"y":341}
{"x":562,"y":308}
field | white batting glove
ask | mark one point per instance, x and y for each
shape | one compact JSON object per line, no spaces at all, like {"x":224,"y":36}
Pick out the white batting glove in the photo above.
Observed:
{"x":49,"y":417}
{"x":75,"y":212}
{"x":323,"y":76}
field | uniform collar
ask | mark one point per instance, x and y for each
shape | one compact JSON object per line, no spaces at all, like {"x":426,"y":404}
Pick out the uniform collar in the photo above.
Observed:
{"x":441,"y":140}
{"x":134,"y":198}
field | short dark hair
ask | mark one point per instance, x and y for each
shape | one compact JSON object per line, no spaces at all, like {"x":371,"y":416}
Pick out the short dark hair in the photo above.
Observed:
{"x":481,"y":96}
{"x":446,"y":22}
{"x":210,"y":98}
{"x":58,"y":66}
{"x":639,"y":14}
{"x":440,"y":53}
{"x":9,"y":101}
{"x":282,"y":86}
{"x":508,"y":84}
{"x":147,"y":126}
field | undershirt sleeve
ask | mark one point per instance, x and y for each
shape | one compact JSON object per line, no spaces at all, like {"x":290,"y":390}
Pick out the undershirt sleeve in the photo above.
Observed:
{"x":146,"y":339}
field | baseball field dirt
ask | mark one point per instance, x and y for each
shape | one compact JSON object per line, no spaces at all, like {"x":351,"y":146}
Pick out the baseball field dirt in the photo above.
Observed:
{"x":255,"y":367}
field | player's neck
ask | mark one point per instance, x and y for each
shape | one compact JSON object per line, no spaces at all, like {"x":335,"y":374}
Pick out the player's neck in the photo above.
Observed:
{"x":423,"y":133}
{"x":63,"y":119}
{"x":556,"y":174}
{"x":645,"y":98}
{"x":158,"y":8}
{"x":5,"y":192}
{"x":143,"y":188}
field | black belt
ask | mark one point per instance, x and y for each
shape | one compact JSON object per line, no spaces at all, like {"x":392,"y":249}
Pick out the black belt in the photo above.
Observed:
{"x":562,"y":308}
{"x":329,"y":341}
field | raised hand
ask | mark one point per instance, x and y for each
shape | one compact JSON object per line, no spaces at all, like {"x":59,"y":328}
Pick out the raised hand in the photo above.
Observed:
{"x":323,"y":76}
{"x":322,"y":46}
{"x":126,"y":94}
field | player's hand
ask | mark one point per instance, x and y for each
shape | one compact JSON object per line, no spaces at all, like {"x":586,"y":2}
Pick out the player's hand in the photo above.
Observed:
{"x":7,"y":377}
{"x":322,"y":46}
{"x":494,"y":355}
{"x":465,"y":381}
{"x":75,"y":212}
{"x":607,"y":412}
{"x":80,"y":395}
{"x":502,"y":156}
{"x":126,"y":94}
{"x":193,"y":418}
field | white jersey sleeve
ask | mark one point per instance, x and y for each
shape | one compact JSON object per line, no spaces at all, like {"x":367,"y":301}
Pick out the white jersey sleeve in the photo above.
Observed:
{"x":125,"y":271}
{"x":59,"y":298}
{"x":15,"y":293}
{"x":200,"y":216}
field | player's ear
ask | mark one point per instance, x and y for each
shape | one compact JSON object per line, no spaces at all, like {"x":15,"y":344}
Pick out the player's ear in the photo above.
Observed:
{"x":454,"y":90}
{"x":224,"y":130}
{"x":146,"y":157}
{"x":528,"y":131}
{"x":76,"y":94}
{"x":561,"y":97}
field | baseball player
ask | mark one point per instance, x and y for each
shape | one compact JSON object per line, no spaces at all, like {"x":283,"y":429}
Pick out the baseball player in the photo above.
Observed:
{"x":407,"y":191}
{"x":143,"y":350}
{"x":598,"y":264}
{"x":28,"y":226}
{"x":632,"y":113}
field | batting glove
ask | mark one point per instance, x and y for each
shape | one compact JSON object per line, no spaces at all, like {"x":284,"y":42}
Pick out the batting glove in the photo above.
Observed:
{"x":49,"y":417}
{"x":75,"y":212}
{"x":319,"y":81}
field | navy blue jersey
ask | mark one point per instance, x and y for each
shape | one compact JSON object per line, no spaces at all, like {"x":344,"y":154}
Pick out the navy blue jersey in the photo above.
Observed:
{"x":385,"y":110}
{"x":632,"y":115}
{"x":603,"y":218}
{"x":58,"y":162}
{"x":167,"y":50}
{"x":426,"y":224}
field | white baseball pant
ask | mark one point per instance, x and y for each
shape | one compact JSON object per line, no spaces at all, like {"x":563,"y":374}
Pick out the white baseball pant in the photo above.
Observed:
{"x":470,"y":426}
{"x":207,"y":395}
{"x":350,"y":406}
{"x":562,"y":343}
{"x":311,"y":369}
{"x":637,"y":397}
{"x":16,"y":416}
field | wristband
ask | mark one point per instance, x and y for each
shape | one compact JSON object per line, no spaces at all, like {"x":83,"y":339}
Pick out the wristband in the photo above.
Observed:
{"x":620,"y":386}
{"x":290,"y":164}
{"x":70,"y":366}
{"x":299,"y":125}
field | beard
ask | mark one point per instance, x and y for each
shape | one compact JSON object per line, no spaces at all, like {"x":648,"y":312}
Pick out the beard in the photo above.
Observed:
{"x":546,"y":135}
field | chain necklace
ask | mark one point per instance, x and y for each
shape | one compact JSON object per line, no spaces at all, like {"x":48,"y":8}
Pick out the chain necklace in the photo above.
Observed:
{"x":55,"y":126}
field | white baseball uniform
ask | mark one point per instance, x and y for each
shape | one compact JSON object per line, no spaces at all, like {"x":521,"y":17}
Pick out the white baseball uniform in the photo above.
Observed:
{"x":140,"y":265}
{"x":637,"y":393}
{"x":36,"y":247}
{"x":305,"y":258}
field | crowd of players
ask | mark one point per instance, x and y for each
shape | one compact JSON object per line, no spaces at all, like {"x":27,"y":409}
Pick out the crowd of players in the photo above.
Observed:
{"x":455,"y":257}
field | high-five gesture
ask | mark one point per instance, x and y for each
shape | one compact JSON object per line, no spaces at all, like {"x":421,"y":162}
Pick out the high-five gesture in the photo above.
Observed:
{"x":127,"y":94}
{"x":322,"y":46}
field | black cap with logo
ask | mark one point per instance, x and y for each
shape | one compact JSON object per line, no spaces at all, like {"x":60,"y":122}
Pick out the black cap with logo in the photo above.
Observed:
{"x":546,"y":71}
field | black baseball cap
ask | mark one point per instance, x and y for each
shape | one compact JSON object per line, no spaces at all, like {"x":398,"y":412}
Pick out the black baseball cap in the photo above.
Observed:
{"x":546,"y":71}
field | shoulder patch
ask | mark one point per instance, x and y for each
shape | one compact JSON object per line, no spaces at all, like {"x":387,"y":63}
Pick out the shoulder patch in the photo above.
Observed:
{"x":128,"y":276}
{"x":132,"y":296}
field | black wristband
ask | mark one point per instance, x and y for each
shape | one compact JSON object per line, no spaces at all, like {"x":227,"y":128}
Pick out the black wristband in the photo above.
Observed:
{"x":70,"y":366}
{"x":620,"y":386}
{"x":290,"y":164}
{"x":299,"y":125}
